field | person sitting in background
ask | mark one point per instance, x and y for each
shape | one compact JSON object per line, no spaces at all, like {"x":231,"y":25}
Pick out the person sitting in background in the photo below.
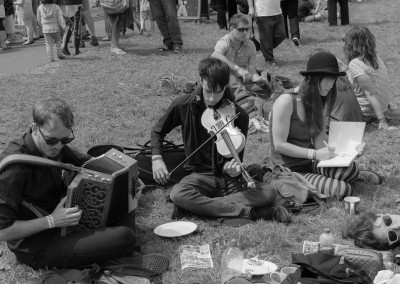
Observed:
{"x":27,"y":189}
{"x":298,"y":128}
{"x":239,"y":52}
{"x":369,"y":75}
{"x":308,"y":13}
{"x":376,"y":231}
{"x":214,"y":188}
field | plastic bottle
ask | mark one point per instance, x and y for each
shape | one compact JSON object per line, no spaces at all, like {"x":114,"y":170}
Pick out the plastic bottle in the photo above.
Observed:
{"x":231,"y":262}
{"x":326,"y":241}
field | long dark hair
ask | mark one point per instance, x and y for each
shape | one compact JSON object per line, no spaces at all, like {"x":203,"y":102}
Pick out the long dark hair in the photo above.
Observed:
{"x":359,"y":42}
{"x":315,"y":105}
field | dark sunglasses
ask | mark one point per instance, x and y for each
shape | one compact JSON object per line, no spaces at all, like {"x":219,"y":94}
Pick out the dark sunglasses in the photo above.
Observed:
{"x":242,"y":30}
{"x":392,"y":235}
{"x":54,"y":141}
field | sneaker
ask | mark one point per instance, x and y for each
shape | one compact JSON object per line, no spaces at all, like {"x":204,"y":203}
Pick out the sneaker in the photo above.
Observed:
{"x":61,"y":56}
{"x":368,"y":176}
{"x":93,"y":41}
{"x":65,"y":52}
{"x":177,"y":49}
{"x":296,"y":41}
{"x":28,"y":42}
{"x":271,"y":63}
{"x":164,"y":48}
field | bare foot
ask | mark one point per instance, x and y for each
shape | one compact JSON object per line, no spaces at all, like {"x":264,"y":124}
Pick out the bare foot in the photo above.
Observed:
{"x":117,"y":50}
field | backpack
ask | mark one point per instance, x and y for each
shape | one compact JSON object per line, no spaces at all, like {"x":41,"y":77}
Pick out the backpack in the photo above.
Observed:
{"x":114,"y":6}
{"x":323,"y":268}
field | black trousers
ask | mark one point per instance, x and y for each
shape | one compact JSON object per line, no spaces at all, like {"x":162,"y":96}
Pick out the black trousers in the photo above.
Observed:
{"x":222,"y":7}
{"x":289,"y":12}
{"x":344,"y":12}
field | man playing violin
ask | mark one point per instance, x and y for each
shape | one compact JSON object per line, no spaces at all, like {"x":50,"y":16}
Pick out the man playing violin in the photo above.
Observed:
{"x":214,"y":187}
{"x":27,"y":191}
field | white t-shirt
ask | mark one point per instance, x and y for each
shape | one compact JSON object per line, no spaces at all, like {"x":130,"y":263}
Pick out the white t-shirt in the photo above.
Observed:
{"x":265,"y":8}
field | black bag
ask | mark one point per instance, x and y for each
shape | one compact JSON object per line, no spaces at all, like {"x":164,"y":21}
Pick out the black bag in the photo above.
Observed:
{"x":253,"y":37}
{"x":173,"y":155}
{"x":325,"y":268}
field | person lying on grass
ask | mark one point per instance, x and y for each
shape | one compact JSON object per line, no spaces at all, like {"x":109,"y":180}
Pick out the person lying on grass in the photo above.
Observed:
{"x":36,"y":241}
{"x":376,"y":231}
{"x":214,"y":187}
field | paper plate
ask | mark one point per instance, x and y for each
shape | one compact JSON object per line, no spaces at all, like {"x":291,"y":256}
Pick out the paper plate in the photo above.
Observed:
{"x":264,"y":268}
{"x":175,"y":229}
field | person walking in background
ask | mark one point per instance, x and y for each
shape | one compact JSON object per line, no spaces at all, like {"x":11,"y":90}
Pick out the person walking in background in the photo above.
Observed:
{"x":72,"y":12}
{"x":89,"y":21}
{"x":289,"y":12}
{"x":344,"y":12}
{"x":369,"y":75}
{"x":270,"y":24}
{"x":9,"y":21}
{"x":50,"y":18}
{"x":3,"y":44}
{"x":165,"y":14}
{"x":29,"y":20}
{"x":222,"y":6}
{"x":145,"y":14}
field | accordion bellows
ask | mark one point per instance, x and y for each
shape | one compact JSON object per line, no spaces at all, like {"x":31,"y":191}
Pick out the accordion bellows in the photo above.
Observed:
{"x":102,"y":189}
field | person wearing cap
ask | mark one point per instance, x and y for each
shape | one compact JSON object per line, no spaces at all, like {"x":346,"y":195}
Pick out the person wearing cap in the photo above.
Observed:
{"x":298,"y":128}
{"x":32,"y":199}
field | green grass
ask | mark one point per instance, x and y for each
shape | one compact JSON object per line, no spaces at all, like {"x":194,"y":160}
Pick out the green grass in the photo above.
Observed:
{"x":117,"y":99}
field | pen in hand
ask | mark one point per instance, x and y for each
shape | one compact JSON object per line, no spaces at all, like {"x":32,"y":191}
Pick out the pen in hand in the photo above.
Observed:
{"x":330,"y":148}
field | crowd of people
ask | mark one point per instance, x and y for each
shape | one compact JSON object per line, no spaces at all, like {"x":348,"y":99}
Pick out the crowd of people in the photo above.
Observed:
{"x":218,"y":185}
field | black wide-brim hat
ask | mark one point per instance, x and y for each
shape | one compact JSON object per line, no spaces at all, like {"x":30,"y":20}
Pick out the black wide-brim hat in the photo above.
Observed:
{"x":322,"y":63}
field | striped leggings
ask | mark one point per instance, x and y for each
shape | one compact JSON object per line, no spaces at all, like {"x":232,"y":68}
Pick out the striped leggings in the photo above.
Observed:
{"x":333,"y":181}
{"x":50,"y":39}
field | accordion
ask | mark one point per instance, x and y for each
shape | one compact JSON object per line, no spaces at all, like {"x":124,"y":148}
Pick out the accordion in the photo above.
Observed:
{"x":101,"y":190}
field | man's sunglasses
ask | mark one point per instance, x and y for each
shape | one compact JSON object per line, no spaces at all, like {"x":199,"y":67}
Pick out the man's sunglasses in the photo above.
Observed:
{"x":392,"y":235}
{"x":242,"y":30}
{"x":54,"y":141}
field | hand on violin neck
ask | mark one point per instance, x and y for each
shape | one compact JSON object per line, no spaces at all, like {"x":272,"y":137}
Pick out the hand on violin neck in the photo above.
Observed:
{"x":232,"y":168}
{"x":160,"y":171}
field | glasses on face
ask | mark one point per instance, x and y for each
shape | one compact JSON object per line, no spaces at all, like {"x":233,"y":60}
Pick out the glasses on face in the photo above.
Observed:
{"x":392,"y":235}
{"x":54,"y":141}
{"x":242,"y":30}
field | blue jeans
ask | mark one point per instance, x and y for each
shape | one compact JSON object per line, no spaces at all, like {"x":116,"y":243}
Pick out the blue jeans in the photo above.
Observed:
{"x":344,"y":12}
{"x":272,"y":33}
{"x":164,"y":12}
{"x":198,"y":194}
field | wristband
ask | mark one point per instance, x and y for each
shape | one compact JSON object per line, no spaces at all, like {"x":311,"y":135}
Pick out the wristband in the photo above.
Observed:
{"x":50,"y":221}
{"x":314,"y":155}
{"x":156,"y":157}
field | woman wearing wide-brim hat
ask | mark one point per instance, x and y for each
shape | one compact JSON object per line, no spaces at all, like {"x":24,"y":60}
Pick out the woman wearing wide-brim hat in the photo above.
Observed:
{"x":297,"y":128}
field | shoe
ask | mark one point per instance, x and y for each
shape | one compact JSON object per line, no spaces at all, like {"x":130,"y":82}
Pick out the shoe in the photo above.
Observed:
{"x":86,"y":36}
{"x":296,"y":41}
{"x":117,"y":51}
{"x":61,"y":56}
{"x":28,"y":42}
{"x":180,"y":213}
{"x":106,"y":39}
{"x":177,"y":49}
{"x":93,"y":41}
{"x":65,"y":52}
{"x":141,"y":31}
{"x":81,"y":44}
{"x":368,"y":176}
{"x":36,"y":38}
{"x":277,"y":213}
{"x":164,"y":48}
{"x":25,"y":38}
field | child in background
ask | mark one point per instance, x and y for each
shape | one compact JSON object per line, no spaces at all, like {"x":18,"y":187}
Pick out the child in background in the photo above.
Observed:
{"x":3,"y":44}
{"x":50,"y":18}
{"x":145,"y":14}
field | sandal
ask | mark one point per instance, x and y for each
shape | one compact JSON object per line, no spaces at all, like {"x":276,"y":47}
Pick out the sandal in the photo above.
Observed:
{"x":163,"y":48}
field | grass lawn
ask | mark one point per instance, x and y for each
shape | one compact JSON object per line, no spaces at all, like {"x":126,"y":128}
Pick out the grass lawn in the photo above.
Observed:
{"x":117,"y":99}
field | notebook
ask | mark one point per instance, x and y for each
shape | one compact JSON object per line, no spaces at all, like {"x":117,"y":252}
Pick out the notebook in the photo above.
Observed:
{"x":344,"y":136}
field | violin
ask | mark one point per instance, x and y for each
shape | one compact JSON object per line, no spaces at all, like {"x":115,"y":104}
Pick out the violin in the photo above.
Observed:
{"x":230,"y":141}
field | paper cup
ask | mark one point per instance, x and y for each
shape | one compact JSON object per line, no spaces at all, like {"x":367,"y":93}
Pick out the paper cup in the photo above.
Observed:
{"x":351,"y":203}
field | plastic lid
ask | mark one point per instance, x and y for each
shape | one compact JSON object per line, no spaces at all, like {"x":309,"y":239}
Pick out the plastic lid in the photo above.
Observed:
{"x":327,"y":230}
